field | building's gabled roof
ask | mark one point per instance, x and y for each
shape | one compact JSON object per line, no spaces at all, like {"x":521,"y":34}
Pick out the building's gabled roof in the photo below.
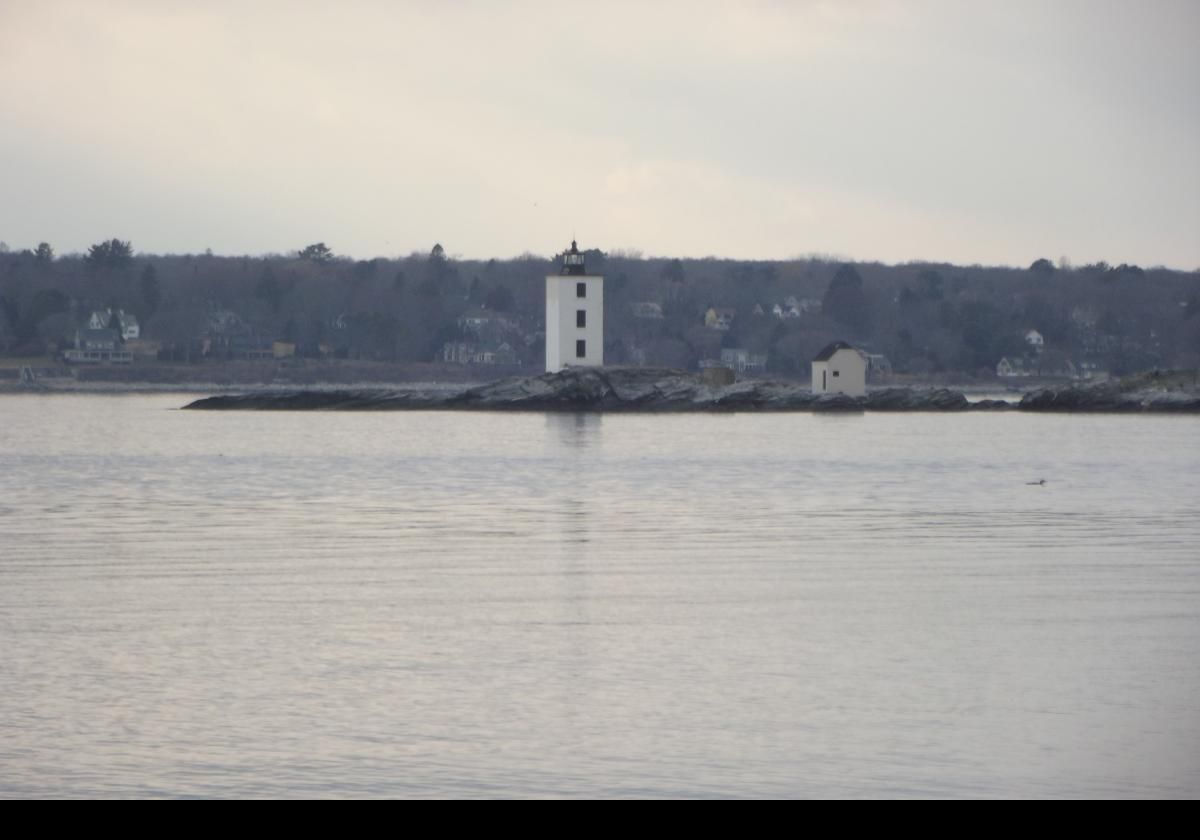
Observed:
{"x":827,"y":354}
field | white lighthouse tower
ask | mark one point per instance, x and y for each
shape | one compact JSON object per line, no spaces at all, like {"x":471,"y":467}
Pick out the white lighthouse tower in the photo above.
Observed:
{"x":574,"y":315}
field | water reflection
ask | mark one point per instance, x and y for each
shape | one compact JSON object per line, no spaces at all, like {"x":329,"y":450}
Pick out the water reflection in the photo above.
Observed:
{"x":575,"y":632}
{"x":575,"y":430}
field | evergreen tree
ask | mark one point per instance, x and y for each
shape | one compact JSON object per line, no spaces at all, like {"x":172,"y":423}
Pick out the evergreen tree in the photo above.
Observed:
{"x":845,"y":300}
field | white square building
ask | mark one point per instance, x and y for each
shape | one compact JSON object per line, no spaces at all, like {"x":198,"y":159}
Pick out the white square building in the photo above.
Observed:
{"x":840,"y":369}
{"x":574,"y":315}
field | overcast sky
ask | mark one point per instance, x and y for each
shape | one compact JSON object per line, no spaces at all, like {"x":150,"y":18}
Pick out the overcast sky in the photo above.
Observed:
{"x":989,"y":132}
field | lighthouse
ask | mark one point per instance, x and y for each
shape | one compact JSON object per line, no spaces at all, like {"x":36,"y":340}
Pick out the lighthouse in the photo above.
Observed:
{"x":574,"y":315}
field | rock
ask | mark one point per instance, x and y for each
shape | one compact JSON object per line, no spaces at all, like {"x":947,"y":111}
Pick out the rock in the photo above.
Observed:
{"x":906,"y":399}
{"x":597,"y":389}
{"x":1144,"y":393}
{"x":990,"y":405}
{"x":1104,"y":397}
{"x":838,"y":402}
{"x":1172,"y":401}
{"x":303,"y":400}
{"x":717,"y":377}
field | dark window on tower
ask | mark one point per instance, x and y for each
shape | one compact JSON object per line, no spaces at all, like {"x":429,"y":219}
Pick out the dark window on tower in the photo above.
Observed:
{"x":581,"y":290}
{"x":581,"y":317}
{"x":580,"y":349}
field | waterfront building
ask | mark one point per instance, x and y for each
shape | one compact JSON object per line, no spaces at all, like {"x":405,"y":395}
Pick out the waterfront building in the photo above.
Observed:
{"x":840,"y":369}
{"x":574,"y":315}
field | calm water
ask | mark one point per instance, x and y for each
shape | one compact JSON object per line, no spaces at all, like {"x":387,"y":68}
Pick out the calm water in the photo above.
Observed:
{"x":439,"y":604}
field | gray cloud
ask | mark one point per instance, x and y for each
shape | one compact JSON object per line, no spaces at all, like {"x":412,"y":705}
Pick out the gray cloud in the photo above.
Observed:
{"x":891,"y":131}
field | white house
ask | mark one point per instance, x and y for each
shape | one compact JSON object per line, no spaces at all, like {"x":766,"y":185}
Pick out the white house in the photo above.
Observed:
{"x":648,"y":310}
{"x":131,"y":330}
{"x":126,"y":322}
{"x":97,"y":346}
{"x":480,"y":321}
{"x":1035,"y":340}
{"x":1015,"y":366}
{"x":879,"y":366}
{"x":574,"y":315}
{"x":794,"y":307}
{"x":470,"y":353}
{"x":839,"y":369}
{"x":742,"y":360}
{"x":719,"y":318}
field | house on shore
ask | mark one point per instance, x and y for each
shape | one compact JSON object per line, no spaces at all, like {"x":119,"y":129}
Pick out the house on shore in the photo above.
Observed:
{"x":719,"y":318}
{"x":1008,"y":368}
{"x":471,"y":353}
{"x":98,"y":346}
{"x":126,"y":323}
{"x":879,"y":367}
{"x":840,"y":369}
{"x":743,"y":361}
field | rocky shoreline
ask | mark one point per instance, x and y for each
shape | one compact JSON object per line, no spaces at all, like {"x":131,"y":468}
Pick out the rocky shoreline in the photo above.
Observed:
{"x":1158,"y":392}
{"x":621,"y":389}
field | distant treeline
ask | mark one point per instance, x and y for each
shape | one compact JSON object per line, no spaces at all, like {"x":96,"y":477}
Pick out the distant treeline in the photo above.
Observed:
{"x":926,"y":318}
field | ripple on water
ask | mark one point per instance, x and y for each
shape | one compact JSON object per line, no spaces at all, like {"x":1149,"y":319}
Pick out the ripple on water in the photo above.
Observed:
{"x":300,"y":604}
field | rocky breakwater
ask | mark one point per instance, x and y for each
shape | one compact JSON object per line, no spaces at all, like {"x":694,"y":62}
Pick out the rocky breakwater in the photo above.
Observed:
{"x":609,"y":389}
{"x":1159,"y":391}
